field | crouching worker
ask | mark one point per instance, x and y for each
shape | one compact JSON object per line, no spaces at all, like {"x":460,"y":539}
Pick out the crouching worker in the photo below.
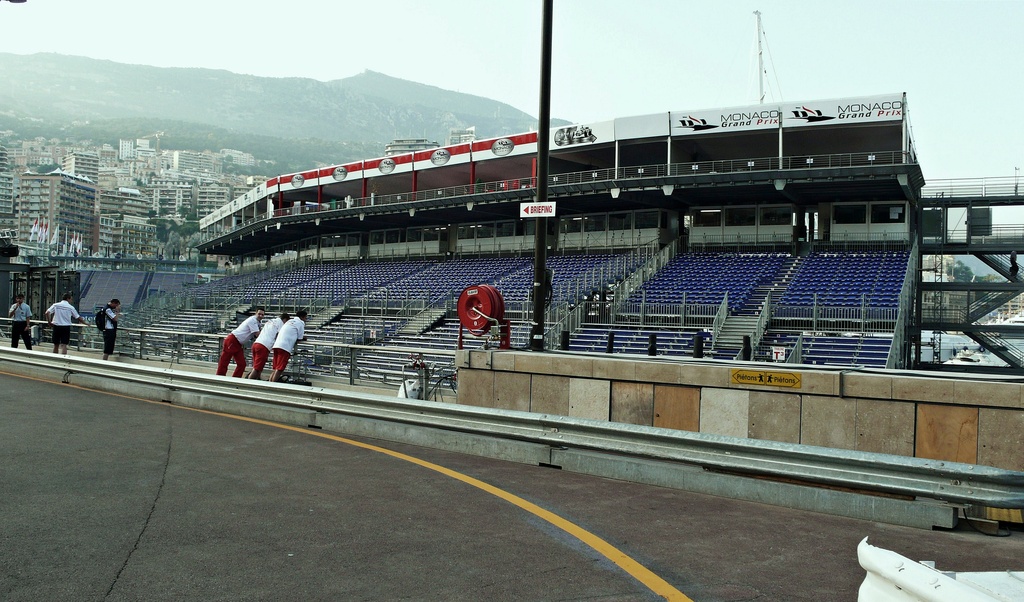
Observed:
{"x":233,"y":344}
{"x":291,"y":333}
{"x":264,"y":342}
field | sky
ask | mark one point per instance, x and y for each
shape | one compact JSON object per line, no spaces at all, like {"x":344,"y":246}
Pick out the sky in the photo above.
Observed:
{"x":958,"y":61}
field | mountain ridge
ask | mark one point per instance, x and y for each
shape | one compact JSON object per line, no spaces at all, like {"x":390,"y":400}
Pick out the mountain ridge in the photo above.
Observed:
{"x":366,"y":108}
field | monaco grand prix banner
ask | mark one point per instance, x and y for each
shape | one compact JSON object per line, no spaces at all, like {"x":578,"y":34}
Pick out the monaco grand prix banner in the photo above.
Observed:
{"x":870,"y":109}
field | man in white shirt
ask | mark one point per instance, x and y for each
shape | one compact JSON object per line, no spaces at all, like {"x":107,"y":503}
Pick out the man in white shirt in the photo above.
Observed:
{"x":292,"y":332}
{"x":60,"y":315}
{"x":261,"y":347}
{"x":21,"y":318}
{"x":233,"y":350}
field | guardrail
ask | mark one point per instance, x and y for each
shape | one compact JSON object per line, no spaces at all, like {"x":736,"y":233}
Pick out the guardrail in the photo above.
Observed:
{"x":933,"y":479}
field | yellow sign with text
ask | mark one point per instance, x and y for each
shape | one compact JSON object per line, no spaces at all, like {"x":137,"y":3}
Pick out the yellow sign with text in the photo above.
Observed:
{"x":768,"y":378}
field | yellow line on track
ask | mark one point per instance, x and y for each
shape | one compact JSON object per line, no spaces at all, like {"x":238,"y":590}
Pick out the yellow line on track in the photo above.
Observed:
{"x":641,"y":573}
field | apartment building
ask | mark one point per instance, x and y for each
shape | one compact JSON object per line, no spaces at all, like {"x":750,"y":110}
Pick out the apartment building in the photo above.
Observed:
{"x":58,"y":209}
{"x":82,"y":163}
{"x":7,"y":191}
{"x":125,"y":201}
{"x":172,"y":197}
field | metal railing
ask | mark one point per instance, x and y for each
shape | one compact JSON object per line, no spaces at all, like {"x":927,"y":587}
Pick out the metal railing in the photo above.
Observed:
{"x":589,"y":180}
{"x":906,"y":305}
{"x":1002,"y":186}
{"x":356,"y":364}
{"x":763,"y":319}
{"x":720,"y":317}
{"x":823,"y":318}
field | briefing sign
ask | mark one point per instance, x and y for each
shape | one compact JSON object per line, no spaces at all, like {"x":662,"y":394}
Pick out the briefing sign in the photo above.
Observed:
{"x":537,"y":209}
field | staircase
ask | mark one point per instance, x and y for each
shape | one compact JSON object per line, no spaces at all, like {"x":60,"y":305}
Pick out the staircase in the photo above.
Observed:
{"x":421,"y":322}
{"x":731,"y":336}
{"x":775,"y":288}
{"x":744,"y":321}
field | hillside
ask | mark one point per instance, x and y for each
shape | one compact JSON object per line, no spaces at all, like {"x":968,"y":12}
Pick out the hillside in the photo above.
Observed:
{"x":44,"y":91}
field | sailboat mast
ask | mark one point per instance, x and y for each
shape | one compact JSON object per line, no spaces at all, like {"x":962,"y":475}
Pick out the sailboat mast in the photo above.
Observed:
{"x":760,"y":60}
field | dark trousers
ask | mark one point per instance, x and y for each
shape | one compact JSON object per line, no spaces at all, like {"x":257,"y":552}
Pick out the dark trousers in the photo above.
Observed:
{"x":109,"y":337}
{"x":20,"y":330}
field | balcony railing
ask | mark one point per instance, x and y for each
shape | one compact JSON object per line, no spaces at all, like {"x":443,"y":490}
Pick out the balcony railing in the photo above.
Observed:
{"x":598,"y":179}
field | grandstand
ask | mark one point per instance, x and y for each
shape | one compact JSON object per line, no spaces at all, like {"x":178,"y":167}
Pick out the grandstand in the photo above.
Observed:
{"x":788,"y":232}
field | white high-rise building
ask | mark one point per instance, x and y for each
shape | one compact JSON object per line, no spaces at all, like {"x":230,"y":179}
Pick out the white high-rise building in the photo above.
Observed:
{"x":83,"y":164}
{"x":6,"y":190}
{"x":460,"y":136}
{"x":126,"y":150}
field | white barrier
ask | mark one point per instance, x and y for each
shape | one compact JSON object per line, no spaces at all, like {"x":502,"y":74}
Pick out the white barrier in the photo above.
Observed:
{"x":895,"y":578}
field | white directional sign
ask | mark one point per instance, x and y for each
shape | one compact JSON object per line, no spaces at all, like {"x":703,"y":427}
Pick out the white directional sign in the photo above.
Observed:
{"x":537,"y":209}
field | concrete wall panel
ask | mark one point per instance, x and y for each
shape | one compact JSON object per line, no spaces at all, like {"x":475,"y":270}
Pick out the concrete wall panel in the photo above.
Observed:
{"x":707,"y":376}
{"x":589,"y":398}
{"x":503,"y":360}
{"x":725,"y":412}
{"x":774,"y":416}
{"x":476,"y":388}
{"x":885,"y":427}
{"x":873,"y":386}
{"x":862,"y":411}
{"x":548,"y":394}
{"x":511,"y":390}
{"x":1001,"y":438}
{"x":1003,"y":395}
{"x":819,"y":383}
{"x":828,"y":422}
{"x":922,"y":389}
{"x":614,"y":369}
{"x":658,"y":372}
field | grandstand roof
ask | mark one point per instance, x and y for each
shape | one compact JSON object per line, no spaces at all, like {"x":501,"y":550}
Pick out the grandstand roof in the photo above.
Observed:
{"x":798,"y":154}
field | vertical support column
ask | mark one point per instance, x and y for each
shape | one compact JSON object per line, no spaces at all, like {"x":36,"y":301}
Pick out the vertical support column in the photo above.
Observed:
{"x":543,"y":138}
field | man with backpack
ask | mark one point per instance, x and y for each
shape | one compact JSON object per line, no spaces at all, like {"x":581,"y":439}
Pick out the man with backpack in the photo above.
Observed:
{"x":106,"y":321}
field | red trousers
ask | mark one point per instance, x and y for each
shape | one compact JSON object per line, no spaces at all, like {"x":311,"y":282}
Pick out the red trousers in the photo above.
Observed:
{"x":259,"y":357}
{"x":232,"y":350}
{"x":281,"y":358}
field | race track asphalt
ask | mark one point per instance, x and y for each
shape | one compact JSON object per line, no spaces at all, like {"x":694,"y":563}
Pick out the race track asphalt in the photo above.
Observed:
{"x":106,"y":497}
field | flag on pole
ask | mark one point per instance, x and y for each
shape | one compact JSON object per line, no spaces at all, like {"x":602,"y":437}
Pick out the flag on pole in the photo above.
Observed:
{"x":35,"y":230}
{"x":56,"y":235}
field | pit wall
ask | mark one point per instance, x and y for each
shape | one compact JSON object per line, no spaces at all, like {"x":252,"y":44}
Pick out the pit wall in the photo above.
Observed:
{"x":976,"y":421}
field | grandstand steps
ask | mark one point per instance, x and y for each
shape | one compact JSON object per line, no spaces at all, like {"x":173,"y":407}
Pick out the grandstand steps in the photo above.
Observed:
{"x":775,"y":288}
{"x":735,"y":328}
{"x":323,"y":320}
{"x":423,"y":321}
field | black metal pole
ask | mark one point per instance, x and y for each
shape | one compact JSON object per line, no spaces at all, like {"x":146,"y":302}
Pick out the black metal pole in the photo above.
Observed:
{"x":543,"y":135}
